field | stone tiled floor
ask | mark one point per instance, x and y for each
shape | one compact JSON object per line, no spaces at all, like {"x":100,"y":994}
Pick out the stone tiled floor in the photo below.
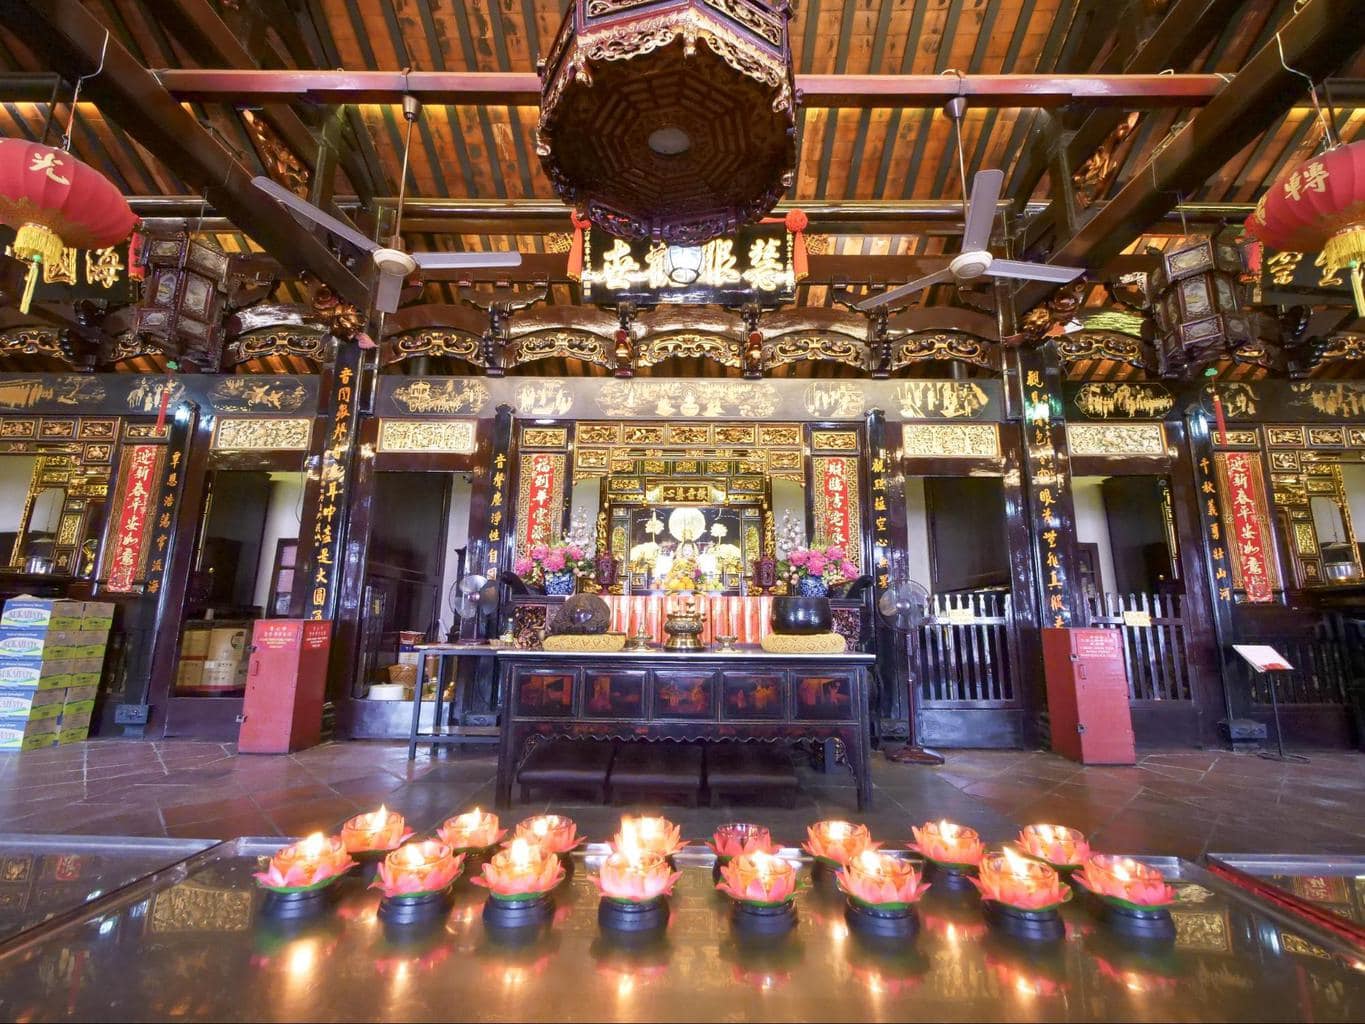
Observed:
{"x":1184,"y":803}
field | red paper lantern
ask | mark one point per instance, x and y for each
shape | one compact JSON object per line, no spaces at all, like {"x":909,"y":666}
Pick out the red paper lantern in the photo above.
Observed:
{"x":1319,"y":205}
{"x":54,"y":201}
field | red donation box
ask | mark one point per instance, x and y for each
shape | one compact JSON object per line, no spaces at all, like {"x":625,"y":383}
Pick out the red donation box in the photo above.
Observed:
{"x":285,"y":684}
{"x":1087,"y":695}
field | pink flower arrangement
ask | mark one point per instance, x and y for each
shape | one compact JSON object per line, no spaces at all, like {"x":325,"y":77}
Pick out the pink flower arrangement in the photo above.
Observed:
{"x":831,"y":564}
{"x":541,"y":559}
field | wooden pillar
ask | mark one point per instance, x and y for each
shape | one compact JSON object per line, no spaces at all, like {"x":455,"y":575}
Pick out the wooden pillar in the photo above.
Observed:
{"x":155,"y":620}
{"x":886,"y":529}
{"x":492,"y":519}
{"x":322,"y":527}
{"x":1047,"y":476}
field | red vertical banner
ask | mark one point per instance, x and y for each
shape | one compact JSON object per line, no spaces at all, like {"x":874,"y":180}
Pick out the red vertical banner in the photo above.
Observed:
{"x":1253,"y":560}
{"x":137,"y":484}
{"x":837,"y":518}
{"x":541,"y":483}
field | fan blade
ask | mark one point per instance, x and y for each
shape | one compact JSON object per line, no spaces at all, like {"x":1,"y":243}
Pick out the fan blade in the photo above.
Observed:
{"x":465,"y":260}
{"x":976,"y":232}
{"x":312,"y":215}
{"x":388,"y":291}
{"x":1034,"y":271}
{"x":877,"y":301}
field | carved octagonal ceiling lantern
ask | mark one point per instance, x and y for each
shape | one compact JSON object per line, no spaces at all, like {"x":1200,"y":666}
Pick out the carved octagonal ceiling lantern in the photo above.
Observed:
{"x":672,"y":120}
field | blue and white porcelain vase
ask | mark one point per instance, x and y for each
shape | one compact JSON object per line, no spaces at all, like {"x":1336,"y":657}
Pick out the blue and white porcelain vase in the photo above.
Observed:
{"x":559,"y":583}
{"x":812,"y":586}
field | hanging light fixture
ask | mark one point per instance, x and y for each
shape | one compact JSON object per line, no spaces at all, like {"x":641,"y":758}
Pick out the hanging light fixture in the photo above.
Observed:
{"x":672,"y":120}
{"x":682,"y":263}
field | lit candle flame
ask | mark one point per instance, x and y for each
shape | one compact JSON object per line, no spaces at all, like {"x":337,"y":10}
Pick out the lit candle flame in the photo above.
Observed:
{"x":838,"y":829}
{"x":1019,"y":866}
{"x":870,"y":861}
{"x":313,"y":845}
{"x":519,"y":853}
{"x":948,"y":830}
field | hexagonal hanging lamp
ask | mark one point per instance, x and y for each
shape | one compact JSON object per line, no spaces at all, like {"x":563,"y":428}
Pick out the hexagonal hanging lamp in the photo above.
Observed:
{"x":670,"y":119}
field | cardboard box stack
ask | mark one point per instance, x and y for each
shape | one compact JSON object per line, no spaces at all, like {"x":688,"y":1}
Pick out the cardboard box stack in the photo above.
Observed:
{"x":51,"y":657}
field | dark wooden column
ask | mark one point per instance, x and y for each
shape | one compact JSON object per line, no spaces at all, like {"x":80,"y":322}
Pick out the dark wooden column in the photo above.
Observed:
{"x":155,"y":619}
{"x":1047,"y":477}
{"x":886,"y":529}
{"x":492,"y":519}
{"x":322,"y":527}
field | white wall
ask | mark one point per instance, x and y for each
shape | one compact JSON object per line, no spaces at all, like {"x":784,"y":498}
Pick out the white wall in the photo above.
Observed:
{"x":281,"y":523}
{"x":15,"y":473}
{"x":917,"y":532}
{"x":457,"y":535}
{"x":1092,"y":526}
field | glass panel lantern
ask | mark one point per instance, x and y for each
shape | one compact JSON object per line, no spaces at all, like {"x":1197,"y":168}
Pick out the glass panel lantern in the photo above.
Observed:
{"x":1199,"y":313}
{"x":180,"y":315}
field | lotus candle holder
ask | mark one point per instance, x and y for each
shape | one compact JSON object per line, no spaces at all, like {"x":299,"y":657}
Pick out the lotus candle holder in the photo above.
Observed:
{"x":635,"y":887}
{"x":881,"y":892}
{"x":414,"y":881}
{"x":763,"y":888}
{"x":1135,"y":896}
{"x":519,"y":880}
{"x":472,"y":832}
{"x":954,"y":851}
{"x":299,"y":874}
{"x":1022,"y":895}
{"x":1063,"y":849}
{"x":648,"y":834}
{"x":834,"y":843}
{"x":375,"y":834}
{"x":736,"y":838}
{"x":553,"y":833}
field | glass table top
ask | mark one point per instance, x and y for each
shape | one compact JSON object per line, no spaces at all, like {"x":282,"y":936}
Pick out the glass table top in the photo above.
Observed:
{"x":43,"y":876}
{"x":194,"y":943}
{"x":1332,"y":884}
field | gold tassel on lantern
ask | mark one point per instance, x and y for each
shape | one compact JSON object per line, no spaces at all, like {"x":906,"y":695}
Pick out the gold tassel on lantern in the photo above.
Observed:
{"x":1346,"y":251}
{"x":38,"y":245}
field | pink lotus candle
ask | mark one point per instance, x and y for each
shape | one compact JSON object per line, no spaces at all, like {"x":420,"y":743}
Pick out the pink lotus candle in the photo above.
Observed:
{"x":1060,"y":846}
{"x":376,"y":832}
{"x":473,"y":830}
{"x":738,"y":838}
{"x":554,"y":833}
{"x":836,"y":842}
{"x":946,"y":843}
{"x":760,"y":878}
{"x":1126,"y":881}
{"x":417,"y":869}
{"x":308,"y":864}
{"x":881,"y":880}
{"x":648,"y":834}
{"x":1016,"y":881}
{"x":522,"y":870}
{"x":635,"y":877}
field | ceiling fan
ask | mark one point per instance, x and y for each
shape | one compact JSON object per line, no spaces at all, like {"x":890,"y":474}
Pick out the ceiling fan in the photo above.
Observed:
{"x":975,"y":260}
{"x":392,"y":262}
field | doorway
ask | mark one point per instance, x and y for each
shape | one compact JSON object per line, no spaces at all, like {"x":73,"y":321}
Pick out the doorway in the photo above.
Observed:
{"x":963,"y":659}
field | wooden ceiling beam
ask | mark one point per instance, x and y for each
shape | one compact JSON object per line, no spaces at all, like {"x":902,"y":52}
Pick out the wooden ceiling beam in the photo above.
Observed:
{"x":1314,"y":44}
{"x":238,"y":86}
{"x":69,"y":36}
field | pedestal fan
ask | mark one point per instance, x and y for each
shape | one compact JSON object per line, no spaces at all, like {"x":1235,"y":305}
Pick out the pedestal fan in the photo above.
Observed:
{"x":473,"y":597}
{"x":903,"y":607}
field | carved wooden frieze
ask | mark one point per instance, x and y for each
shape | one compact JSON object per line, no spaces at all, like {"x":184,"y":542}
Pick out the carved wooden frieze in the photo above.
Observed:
{"x":232,"y":433}
{"x":952,"y":441}
{"x":1106,"y":401}
{"x":446,"y":436}
{"x":284,"y":341}
{"x":545,"y":437}
{"x":940,"y":346}
{"x":1143,"y":439}
{"x":435,"y":342}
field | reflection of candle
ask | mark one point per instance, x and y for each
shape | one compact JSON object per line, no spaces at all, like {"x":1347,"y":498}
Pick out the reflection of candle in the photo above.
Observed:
{"x":378,"y":830}
{"x":1056,"y":844}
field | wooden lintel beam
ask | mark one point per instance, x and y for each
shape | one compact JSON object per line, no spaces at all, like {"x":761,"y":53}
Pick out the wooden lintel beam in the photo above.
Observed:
{"x":69,"y":36}
{"x":234,"y":85}
{"x":1314,"y":44}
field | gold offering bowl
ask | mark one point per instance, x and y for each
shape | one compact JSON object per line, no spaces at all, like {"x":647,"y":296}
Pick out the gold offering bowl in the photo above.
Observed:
{"x":684,"y":630}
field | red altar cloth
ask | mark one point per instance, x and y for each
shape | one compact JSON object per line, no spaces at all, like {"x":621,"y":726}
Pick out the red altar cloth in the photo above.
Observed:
{"x":747,"y":618}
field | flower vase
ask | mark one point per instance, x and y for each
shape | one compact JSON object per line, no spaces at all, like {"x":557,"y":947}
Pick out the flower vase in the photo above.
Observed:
{"x":559,"y":583}
{"x":812,"y":586}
